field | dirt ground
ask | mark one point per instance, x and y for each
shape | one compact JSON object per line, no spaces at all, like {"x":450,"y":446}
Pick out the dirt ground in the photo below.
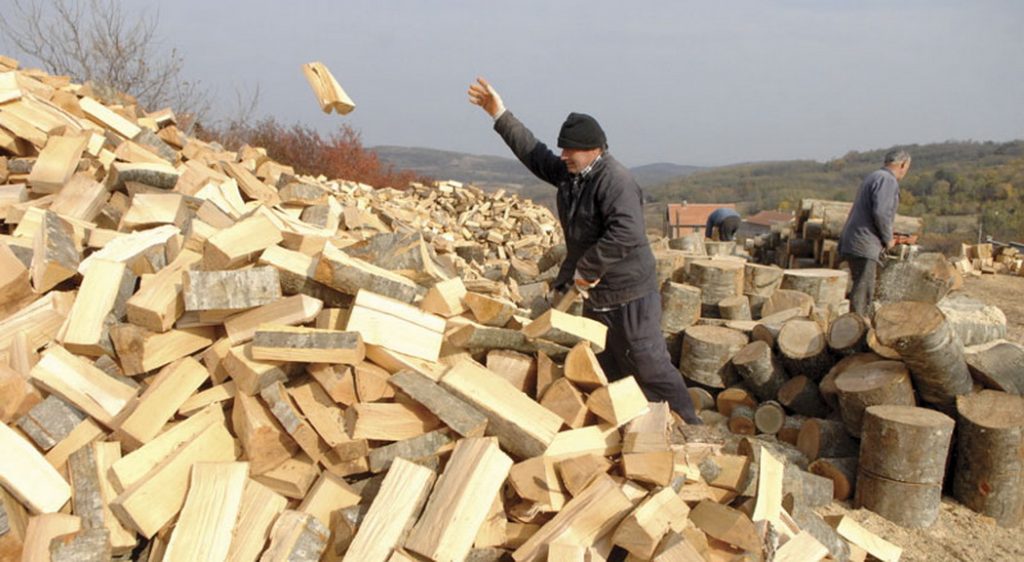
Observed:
{"x":960,"y":534}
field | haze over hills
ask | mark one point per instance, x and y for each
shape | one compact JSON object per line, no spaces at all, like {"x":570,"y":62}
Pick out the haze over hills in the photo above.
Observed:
{"x":498,"y":171}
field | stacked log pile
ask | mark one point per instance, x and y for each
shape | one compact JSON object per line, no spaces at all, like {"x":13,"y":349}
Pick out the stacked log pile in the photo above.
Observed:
{"x":988,"y":258}
{"x":209,"y":357}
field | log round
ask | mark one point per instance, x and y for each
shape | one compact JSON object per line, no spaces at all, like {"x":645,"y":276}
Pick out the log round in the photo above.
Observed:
{"x":825,"y":286}
{"x":989,"y":476}
{"x":929,"y":347}
{"x":706,"y":355}
{"x":783,"y":299}
{"x":803,"y":349}
{"x":692,"y":243}
{"x":702,"y":399}
{"x":741,"y":420}
{"x":842,"y":471}
{"x":719,"y":248}
{"x":790,"y":432}
{"x":761,"y":280}
{"x":717,"y":279}
{"x":680,"y":307}
{"x":848,"y":333}
{"x":825,"y":438}
{"x":872,"y":384}
{"x":769,"y":417}
{"x":760,"y":370}
{"x":997,"y":365}
{"x":927,"y":277}
{"x":735,"y":308}
{"x":904,"y":503}
{"x":905,"y":443}
{"x":801,"y":395}
{"x":732,"y":397}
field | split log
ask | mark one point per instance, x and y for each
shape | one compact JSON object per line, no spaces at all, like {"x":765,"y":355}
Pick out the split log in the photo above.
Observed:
{"x":618,"y":402}
{"x":825,"y":286}
{"x":260,"y":507}
{"x":350,"y":275}
{"x":997,"y":365}
{"x":825,"y":438}
{"x":264,"y":441}
{"x":735,"y":308}
{"x":642,"y":530}
{"x":803,"y":349}
{"x":26,"y":474}
{"x":973,"y":321}
{"x":905,"y":443}
{"x":583,"y":369}
{"x":872,"y":384}
{"x":401,"y":496}
{"x":800,"y":394}
{"x":927,"y":278}
{"x":226,"y":292}
{"x":567,"y":329}
{"x":204,"y":528}
{"x":989,"y":476}
{"x":329,"y":93}
{"x":455,"y":413}
{"x":706,"y":355}
{"x":769,"y":417}
{"x":83,"y":385}
{"x":55,"y":256}
{"x":489,"y":311}
{"x":757,"y":366}
{"x":848,"y":333}
{"x":929,"y":347}
{"x":296,"y":537}
{"x":165,"y":394}
{"x":842,"y":471}
{"x":717,"y":279}
{"x":378,"y":318}
{"x":310,"y":345}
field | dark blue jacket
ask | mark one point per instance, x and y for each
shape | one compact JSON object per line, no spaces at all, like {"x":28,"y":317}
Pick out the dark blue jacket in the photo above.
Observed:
{"x":716,"y":218}
{"x":602,"y":217}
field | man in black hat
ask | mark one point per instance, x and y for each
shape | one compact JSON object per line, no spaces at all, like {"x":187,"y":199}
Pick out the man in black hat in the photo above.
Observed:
{"x":608,"y":256}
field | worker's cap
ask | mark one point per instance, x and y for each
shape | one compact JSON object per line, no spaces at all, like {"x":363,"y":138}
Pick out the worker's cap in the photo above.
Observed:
{"x":581,"y":131}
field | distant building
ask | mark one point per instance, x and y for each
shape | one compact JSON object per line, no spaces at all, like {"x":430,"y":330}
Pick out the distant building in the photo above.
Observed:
{"x":684,"y":218}
{"x":762,"y":223}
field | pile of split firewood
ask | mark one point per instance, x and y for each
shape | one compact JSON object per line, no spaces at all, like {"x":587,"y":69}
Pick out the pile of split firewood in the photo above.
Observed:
{"x":209,"y":357}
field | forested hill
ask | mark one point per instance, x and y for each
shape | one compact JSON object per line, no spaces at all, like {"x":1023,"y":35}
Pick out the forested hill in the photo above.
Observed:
{"x":951,"y":179}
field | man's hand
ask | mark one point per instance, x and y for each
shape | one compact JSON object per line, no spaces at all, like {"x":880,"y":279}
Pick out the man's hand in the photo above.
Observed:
{"x":583,"y":285}
{"x":484,"y":95}
{"x":889,"y":245}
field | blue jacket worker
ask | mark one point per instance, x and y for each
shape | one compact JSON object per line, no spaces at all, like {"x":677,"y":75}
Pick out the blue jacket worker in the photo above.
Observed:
{"x":726,"y":220}
{"x":600,"y":208}
{"x":868,"y":230}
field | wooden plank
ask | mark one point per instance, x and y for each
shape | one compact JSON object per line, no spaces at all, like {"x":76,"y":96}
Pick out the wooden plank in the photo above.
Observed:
{"x":330,"y":493}
{"x":103,"y":292}
{"x":92,"y":492}
{"x":461,"y":500}
{"x":524,"y":427}
{"x":55,"y":256}
{"x":241,"y":243}
{"x":260,"y":507}
{"x":80,"y":383}
{"x":296,"y":537}
{"x":42,"y":529}
{"x":141,"y":350}
{"x":161,"y":399}
{"x":378,"y":318}
{"x":288,"y":311}
{"x":463,"y":418}
{"x":389,"y":422}
{"x":204,"y":528}
{"x":873,"y":544}
{"x":264,"y":441}
{"x":27,"y":476}
{"x":158,"y":304}
{"x":108,"y":119}
{"x":567,"y":329}
{"x":350,"y":275}
{"x":56,"y":163}
{"x":329,"y":93}
{"x":288,"y":343}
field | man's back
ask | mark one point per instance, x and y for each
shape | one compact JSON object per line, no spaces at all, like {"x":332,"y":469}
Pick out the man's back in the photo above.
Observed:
{"x":869,"y":226}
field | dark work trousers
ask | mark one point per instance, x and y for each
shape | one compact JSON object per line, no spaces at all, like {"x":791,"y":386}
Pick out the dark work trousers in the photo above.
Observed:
{"x":635,"y":346}
{"x":863,"y":271}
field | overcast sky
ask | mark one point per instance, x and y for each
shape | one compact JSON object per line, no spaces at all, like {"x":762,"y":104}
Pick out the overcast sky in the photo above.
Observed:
{"x":703,"y":83}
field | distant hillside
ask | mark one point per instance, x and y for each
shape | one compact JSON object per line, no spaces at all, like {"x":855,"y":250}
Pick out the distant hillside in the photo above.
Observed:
{"x":655,"y":174}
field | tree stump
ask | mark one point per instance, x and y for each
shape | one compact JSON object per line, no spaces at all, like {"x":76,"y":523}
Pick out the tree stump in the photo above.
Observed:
{"x":800,"y":394}
{"x":904,"y":503}
{"x":842,"y":471}
{"x":757,"y":366}
{"x":989,"y":476}
{"x":668,"y":264}
{"x":997,"y":365}
{"x":706,"y":355}
{"x":825,"y":286}
{"x":769,"y":417}
{"x":927,"y":278}
{"x":741,"y":420}
{"x":905,"y":443}
{"x":783,"y":299}
{"x":717,"y":279}
{"x":973,"y":321}
{"x":929,"y":347}
{"x":680,"y":307}
{"x":735,"y":308}
{"x":848,"y":334}
{"x":872,"y":384}
{"x":803,"y":349}
{"x":825,"y":438}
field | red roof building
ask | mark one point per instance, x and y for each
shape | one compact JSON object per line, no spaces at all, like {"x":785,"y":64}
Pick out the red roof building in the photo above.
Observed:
{"x":684,"y":218}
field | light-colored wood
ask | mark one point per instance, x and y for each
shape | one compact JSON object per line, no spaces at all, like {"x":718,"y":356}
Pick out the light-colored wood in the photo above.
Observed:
{"x":296,"y":537}
{"x":769,"y":489}
{"x":38,"y":322}
{"x":677,"y":548}
{"x":619,"y":402}
{"x":519,"y":368}
{"x":328,"y":494}
{"x":14,"y":280}
{"x":423,"y":449}
{"x":230,"y":291}
{"x":92,"y":492}
{"x":251,"y":185}
{"x":272,"y":342}
{"x":82,"y":384}
{"x":83,"y":434}
{"x":322,"y":413}
{"x":487,"y":310}
{"x":26,"y":475}
{"x":389,"y":422}
{"x":213,"y":395}
{"x":329,"y":93}
{"x":565,"y":400}
{"x":55,"y":256}
{"x":251,"y":375}
{"x":44,"y":528}
{"x":161,"y":399}
{"x":881,"y":549}
{"x":241,"y":243}
{"x":567,"y":329}
{"x":726,"y":524}
{"x":536,"y":480}
{"x":588,"y":440}
{"x":19,"y":395}
{"x":81,"y":198}
{"x":578,"y":472}
{"x":378,"y":319}
{"x":135,"y":249}
{"x":350,"y":275}
{"x":401,"y":496}
{"x":265,"y":442}
{"x":801,"y":548}
{"x":204,"y":528}
{"x":151,"y":209}
{"x":292,"y":478}
{"x":582,"y":368}
{"x":108,"y":119}
{"x":463,"y":418}
{"x":158,"y":304}
{"x":445,"y":298}
{"x":288,"y":311}
{"x":293,"y":422}
{"x":337,"y":380}
{"x":652,"y":467}
{"x":56,"y":163}
{"x":592,"y":514}
{"x":642,"y":530}
{"x":141,"y":350}
{"x":151,"y":502}
{"x":524,"y":427}
{"x":461,"y":500}
{"x":260,"y":507}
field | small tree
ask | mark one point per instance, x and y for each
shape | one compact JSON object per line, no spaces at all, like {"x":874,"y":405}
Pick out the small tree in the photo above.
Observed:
{"x":98,"y":41}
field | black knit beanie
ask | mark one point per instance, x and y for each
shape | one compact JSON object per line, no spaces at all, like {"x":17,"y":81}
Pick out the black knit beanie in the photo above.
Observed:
{"x":581,"y":131}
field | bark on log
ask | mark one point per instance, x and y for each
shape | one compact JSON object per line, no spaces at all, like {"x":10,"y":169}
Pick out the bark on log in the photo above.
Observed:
{"x":783,"y":299}
{"x":989,"y":476}
{"x":741,"y":420}
{"x":905,"y":443}
{"x":973,"y":321}
{"x":761,"y":280}
{"x":692,"y":243}
{"x":929,"y":347}
{"x":873,"y":384}
{"x":800,"y":394}
{"x":735,"y":308}
{"x":758,"y":367}
{"x":848,"y":333}
{"x":825,"y":286}
{"x":842,"y":471}
{"x":706,"y":355}
{"x":680,"y":307}
{"x":997,"y":365}
{"x":717,"y":279}
{"x":790,"y":432}
{"x":803,"y":349}
{"x":927,"y":278}
{"x":907,"y":504}
{"x":702,"y":399}
{"x":825,"y":438}
{"x":767,"y":329}
{"x":719,"y":248}
{"x":732,"y":397}
{"x":827,"y":386}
